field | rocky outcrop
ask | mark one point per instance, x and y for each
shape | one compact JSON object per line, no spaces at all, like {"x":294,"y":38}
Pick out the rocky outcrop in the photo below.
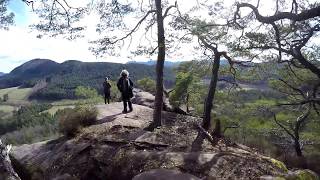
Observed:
{"x":118,"y":148}
{"x":164,"y":174}
{"x":147,"y":99}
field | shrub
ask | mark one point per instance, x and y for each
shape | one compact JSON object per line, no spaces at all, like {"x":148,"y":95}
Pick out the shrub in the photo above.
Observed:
{"x":27,"y":135}
{"x":71,"y":120}
{"x":86,"y":92}
{"x":88,"y":115}
{"x":147,"y":84}
{"x":5,"y":97}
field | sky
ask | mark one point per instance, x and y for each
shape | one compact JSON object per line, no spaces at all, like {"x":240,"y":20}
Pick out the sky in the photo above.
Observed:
{"x":21,"y":43}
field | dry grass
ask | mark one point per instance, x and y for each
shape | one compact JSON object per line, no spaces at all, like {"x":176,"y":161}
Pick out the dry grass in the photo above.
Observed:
{"x":72,"y":120}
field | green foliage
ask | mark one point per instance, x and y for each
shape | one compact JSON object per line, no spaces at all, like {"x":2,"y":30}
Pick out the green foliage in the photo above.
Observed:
{"x":294,"y":77}
{"x":86,"y":92}
{"x":279,"y":164}
{"x":28,"y":125}
{"x":187,"y":90}
{"x":32,"y":134}
{"x":27,"y":116}
{"x":71,"y":120}
{"x":64,"y":78}
{"x":115,"y":93}
{"x":305,"y":175}
{"x":147,"y":84}
{"x":180,"y":92}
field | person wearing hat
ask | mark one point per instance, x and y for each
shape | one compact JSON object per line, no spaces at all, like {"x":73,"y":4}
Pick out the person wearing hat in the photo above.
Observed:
{"x":106,"y":89}
{"x":125,"y":86}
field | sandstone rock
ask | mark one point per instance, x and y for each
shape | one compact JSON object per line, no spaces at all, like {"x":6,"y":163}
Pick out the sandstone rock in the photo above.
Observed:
{"x":164,"y":174}
{"x":147,"y":99}
{"x":118,"y":148}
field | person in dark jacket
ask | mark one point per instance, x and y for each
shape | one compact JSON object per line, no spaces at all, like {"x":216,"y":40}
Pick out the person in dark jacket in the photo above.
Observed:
{"x":106,"y":90}
{"x":125,"y":86}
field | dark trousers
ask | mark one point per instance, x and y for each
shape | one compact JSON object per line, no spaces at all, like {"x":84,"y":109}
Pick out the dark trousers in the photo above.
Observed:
{"x":127,"y":102}
{"x":106,"y":98}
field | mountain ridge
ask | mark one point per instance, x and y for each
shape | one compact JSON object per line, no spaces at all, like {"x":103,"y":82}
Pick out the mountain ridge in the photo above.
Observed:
{"x":63,"y":78}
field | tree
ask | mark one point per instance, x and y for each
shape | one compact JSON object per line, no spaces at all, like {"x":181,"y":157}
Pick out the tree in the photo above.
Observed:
{"x":210,"y":35}
{"x":60,"y":15}
{"x":186,"y":88}
{"x":147,"y":84}
{"x":294,"y":130}
{"x":285,"y":38}
{"x":294,"y":87}
{"x":86,"y":92}
{"x":6,"y":19}
{"x":5,"y":97}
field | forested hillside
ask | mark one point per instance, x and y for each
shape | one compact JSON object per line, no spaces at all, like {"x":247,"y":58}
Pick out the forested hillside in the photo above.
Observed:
{"x":60,"y":80}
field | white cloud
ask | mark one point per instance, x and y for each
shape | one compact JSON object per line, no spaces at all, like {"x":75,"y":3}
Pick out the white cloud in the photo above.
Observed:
{"x":20,"y":45}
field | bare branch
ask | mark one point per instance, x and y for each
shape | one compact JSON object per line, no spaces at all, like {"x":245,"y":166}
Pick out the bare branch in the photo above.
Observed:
{"x":282,"y":126}
{"x":168,"y":9}
{"x":304,"y":15}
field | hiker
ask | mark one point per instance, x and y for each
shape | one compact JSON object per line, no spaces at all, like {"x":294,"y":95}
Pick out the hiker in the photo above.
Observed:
{"x":125,"y":86}
{"x":106,"y":89}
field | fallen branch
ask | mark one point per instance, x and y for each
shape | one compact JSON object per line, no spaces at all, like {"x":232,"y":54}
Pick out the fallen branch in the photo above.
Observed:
{"x":206,"y":134}
{"x":6,"y":169}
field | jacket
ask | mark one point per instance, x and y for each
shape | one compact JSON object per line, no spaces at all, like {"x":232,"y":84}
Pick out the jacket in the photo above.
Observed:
{"x":125,"y":86}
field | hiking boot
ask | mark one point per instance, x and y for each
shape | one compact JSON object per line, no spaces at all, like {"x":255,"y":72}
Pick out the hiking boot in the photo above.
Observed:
{"x":124,"y":111}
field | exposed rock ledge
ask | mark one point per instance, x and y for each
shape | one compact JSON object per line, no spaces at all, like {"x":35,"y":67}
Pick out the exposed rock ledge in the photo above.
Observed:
{"x":117,"y":148}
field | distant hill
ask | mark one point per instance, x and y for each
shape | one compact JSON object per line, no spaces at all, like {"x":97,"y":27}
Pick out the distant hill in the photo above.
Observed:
{"x":1,"y":73}
{"x":63,"y":78}
{"x":153,"y":62}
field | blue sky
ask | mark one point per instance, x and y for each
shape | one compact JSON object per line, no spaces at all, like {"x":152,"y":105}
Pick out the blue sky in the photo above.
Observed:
{"x":20,"y":10}
{"x":22,"y":45}
{"x":21,"y":42}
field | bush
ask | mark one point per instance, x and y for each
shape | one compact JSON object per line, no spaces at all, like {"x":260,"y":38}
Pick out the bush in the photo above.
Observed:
{"x":5,"y":97}
{"x":27,"y":135}
{"x":88,"y":115}
{"x":71,"y":120}
{"x":147,"y":84}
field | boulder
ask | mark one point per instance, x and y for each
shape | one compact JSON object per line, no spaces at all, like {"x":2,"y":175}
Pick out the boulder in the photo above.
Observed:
{"x":147,"y":99}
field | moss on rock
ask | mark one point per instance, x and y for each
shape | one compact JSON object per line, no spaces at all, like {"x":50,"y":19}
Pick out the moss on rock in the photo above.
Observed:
{"x":304,"y":175}
{"x":279,"y":164}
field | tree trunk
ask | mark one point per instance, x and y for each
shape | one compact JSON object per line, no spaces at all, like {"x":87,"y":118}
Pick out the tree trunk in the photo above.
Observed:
{"x":211,"y":93}
{"x":296,"y":139}
{"x":159,"y":67}
{"x":187,"y":104}
{"x":297,"y":147}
